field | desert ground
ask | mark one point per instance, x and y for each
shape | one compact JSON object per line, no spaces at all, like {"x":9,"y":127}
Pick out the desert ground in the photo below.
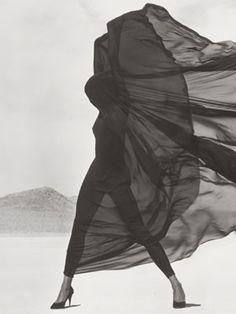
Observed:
{"x":32,"y":268}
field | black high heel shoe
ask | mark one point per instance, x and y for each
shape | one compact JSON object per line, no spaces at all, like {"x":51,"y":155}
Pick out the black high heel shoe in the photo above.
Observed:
{"x":178,"y":305}
{"x":61,"y":305}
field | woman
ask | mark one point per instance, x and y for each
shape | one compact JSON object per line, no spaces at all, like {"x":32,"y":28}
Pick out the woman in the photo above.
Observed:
{"x":165,"y":141}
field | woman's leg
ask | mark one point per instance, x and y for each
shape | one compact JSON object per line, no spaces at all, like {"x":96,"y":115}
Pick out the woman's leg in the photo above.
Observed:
{"x":111,"y":158}
{"x":101,"y":176}
{"x":87,"y":204}
{"x":124,"y":199}
{"x":160,"y":258}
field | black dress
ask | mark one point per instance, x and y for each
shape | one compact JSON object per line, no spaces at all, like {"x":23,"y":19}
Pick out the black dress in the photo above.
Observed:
{"x":166,"y":129}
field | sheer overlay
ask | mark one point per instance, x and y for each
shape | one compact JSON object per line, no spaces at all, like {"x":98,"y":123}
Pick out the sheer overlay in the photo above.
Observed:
{"x":167,"y":128}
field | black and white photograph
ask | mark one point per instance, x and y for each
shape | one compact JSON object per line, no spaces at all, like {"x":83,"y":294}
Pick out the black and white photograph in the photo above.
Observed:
{"x":118,"y":156}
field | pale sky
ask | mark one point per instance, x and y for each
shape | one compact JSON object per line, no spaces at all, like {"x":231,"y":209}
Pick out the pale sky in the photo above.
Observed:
{"x":46,"y":57}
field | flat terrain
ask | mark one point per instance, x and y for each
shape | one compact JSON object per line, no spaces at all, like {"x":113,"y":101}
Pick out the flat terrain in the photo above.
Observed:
{"x":31,"y":273}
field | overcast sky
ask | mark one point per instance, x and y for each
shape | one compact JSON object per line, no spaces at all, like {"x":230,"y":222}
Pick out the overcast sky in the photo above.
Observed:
{"x":46,"y":57}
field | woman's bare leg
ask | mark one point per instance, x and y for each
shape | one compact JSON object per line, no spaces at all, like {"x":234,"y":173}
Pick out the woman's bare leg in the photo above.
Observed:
{"x":178,"y":292}
{"x":65,"y":288}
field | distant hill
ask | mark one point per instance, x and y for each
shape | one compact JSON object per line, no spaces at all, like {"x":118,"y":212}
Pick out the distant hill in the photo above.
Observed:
{"x":40,"y":210}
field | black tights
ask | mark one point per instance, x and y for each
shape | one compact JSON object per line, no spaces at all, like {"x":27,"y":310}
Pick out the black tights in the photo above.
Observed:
{"x":131,"y":216}
{"x":112,"y":171}
{"x":123,"y":198}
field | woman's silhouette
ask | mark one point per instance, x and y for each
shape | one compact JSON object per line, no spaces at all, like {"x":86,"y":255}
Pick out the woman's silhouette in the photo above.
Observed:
{"x":144,"y":188}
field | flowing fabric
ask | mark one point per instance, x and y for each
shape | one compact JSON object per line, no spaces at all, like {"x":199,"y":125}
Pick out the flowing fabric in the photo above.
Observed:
{"x":173,"y":120}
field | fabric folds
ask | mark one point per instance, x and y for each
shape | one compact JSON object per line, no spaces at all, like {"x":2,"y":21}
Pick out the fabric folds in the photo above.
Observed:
{"x":171,"y":109}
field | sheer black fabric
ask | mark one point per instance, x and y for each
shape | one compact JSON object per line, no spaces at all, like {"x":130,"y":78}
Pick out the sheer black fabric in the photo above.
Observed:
{"x":166,"y":129}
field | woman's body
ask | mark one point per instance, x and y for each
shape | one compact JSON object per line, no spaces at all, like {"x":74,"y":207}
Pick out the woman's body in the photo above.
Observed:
{"x":110,"y":170}
{"x":110,"y":173}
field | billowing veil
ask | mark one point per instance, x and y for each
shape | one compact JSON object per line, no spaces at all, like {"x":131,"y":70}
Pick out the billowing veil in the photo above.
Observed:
{"x":175,"y":118}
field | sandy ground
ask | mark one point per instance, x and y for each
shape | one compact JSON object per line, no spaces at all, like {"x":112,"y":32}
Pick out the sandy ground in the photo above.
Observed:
{"x":31,"y":273}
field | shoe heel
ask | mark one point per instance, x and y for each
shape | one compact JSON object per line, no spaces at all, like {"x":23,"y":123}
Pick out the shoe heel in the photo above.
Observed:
{"x":178,"y":305}
{"x":69,"y":299}
{"x":70,"y":295}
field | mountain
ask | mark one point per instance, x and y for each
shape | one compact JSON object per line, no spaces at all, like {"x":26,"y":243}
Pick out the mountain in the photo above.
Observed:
{"x":40,"y":210}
